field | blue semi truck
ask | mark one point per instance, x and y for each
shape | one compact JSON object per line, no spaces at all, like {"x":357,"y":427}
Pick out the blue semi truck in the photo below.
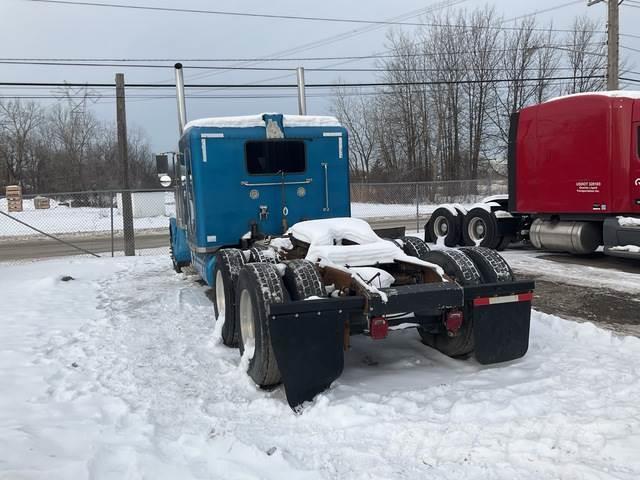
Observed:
{"x":263,"y":216}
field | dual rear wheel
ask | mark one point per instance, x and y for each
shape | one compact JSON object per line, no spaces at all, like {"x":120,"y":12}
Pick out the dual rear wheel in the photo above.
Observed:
{"x":243,"y":293}
{"x":478,"y":227}
{"x":467,"y":266}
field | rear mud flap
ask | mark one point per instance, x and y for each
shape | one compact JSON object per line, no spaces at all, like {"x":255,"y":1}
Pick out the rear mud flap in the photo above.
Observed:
{"x":309,"y":349}
{"x":501,"y":331}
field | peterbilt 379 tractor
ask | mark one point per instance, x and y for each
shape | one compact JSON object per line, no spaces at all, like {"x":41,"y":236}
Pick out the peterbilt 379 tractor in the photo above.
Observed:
{"x":263,"y":216}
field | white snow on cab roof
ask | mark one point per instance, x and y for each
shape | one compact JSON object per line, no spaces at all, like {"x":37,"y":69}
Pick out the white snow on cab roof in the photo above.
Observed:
{"x":634,"y":94}
{"x":246,"y":121}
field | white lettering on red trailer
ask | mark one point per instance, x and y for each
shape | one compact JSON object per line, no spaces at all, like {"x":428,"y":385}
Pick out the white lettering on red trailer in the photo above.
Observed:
{"x":588,"y":187}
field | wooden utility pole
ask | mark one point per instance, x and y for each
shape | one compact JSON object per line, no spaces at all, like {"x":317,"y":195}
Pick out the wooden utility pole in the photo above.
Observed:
{"x":123,"y":154}
{"x":613,"y":42}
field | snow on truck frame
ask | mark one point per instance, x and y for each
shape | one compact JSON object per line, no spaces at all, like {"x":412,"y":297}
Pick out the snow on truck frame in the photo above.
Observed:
{"x":574,"y":181}
{"x":262,"y":214}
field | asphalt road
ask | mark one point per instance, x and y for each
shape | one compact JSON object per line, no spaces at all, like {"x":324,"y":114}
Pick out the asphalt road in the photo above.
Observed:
{"x":43,"y":247}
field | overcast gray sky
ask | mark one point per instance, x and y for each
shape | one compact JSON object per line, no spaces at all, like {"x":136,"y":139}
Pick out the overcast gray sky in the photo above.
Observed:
{"x":31,"y":29}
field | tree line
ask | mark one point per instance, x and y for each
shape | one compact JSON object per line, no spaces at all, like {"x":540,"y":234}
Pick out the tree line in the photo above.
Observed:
{"x":63,"y":147}
{"x":455,"y":84}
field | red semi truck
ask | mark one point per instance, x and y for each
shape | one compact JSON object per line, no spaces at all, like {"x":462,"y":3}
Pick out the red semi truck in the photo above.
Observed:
{"x":574,"y":181}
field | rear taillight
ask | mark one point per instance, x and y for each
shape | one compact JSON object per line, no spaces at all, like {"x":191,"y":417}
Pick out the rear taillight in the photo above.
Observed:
{"x":379,"y":328}
{"x":453,"y":321}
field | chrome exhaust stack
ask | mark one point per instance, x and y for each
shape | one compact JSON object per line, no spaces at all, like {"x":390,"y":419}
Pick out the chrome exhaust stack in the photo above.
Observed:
{"x":182,"y":106}
{"x":302,"y":98}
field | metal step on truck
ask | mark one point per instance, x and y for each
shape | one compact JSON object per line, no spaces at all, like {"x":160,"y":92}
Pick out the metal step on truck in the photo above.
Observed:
{"x":263,"y":216}
{"x":574,"y":181}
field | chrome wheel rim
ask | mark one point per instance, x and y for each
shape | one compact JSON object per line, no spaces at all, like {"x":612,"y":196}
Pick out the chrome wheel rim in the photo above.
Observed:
{"x":441,"y":227}
{"x":247,"y":325}
{"x":477,"y":230}
{"x":220,"y":301}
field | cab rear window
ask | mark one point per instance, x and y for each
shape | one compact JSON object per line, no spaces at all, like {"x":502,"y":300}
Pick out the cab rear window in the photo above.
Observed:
{"x":271,"y":157}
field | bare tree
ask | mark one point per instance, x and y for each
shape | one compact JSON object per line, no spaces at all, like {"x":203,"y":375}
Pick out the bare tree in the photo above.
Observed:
{"x":483,"y":59}
{"x":586,"y":56}
{"x":18,"y":128}
{"x":356,"y":111}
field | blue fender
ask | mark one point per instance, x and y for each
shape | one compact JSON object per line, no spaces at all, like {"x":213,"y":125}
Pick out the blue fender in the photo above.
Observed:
{"x":179,"y":243}
{"x":205,"y":264}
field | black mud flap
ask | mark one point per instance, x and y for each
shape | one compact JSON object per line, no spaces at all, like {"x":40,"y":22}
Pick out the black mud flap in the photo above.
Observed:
{"x":309,"y":348}
{"x":501,"y":331}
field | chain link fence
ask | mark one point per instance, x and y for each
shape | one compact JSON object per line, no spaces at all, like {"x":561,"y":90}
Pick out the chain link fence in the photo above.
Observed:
{"x":86,"y":223}
{"x":412,"y":203}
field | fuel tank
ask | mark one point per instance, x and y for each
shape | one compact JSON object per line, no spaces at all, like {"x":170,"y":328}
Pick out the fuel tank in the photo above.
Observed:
{"x":573,"y":237}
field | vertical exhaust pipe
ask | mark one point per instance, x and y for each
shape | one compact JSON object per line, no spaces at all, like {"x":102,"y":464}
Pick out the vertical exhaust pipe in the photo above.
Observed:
{"x":302,"y":98}
{"x":182,"y":106}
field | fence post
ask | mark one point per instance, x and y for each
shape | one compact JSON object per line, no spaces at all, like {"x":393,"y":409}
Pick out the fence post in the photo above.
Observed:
{"x":112,"y":233}
{"x":417,"y":210}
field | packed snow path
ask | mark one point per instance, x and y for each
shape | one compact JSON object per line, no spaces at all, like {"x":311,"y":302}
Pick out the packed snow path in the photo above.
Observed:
{"x":117,"y":374}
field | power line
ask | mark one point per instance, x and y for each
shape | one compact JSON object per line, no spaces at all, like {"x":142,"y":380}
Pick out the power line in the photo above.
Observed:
{"x":227,"y":67}
{"x":229,"y":13}
{"x":143,"y":62}
{"x":272,"y":16}
{"x":293,"y":85}
{"x":216,"y":97}
{"x":544,"y":10}
{"x":348,"y":34}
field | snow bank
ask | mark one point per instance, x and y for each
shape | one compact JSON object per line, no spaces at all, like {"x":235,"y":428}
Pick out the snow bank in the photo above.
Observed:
{"x":116,"y":374}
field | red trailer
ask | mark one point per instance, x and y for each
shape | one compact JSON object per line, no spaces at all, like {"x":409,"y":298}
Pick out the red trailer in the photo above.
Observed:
{"x":574,"y":181}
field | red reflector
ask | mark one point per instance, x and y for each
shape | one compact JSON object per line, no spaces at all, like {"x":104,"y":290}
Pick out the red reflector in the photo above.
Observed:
{"x":522,"y":297}
{"x":379,"y":328}
{"x":453,"y":320}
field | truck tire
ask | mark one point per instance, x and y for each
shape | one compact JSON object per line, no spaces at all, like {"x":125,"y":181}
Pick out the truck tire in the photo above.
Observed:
{"x":415,"y":247}
{"x":443,"y":226}
{"x":259,"y":285}
{"x":456,"y":265}
{"x":492,"y":267}
{"x":460,"y":267}
{"x":480,"y":229}
{"x":302,"y":280}
{"x":229,"y":262}
{"x":262,"y":254}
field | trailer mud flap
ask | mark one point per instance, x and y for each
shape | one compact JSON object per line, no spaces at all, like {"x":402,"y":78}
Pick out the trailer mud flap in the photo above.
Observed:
{"x":309,"y":349}
{"x":501,"y":332}
{"x":501,"y":320}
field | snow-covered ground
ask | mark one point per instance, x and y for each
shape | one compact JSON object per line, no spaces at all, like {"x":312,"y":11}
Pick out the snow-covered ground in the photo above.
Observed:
{"x":532,"y":262}
{"x":117,"y":374}
{"x":389,"y":210}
